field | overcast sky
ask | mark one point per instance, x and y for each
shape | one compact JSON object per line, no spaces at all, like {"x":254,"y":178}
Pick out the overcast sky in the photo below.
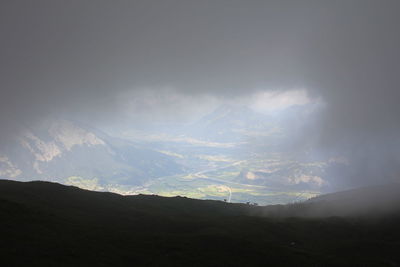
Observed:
{"x":86,"y":56}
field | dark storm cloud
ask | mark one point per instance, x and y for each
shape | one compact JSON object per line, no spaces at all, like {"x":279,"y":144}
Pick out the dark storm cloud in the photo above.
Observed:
{"x":76,"y":56}
{"x":89,"y":49}
{"x":353,"y":63}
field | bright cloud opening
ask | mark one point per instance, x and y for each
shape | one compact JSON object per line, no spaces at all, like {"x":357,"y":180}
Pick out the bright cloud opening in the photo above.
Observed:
{"x":272,"y":101}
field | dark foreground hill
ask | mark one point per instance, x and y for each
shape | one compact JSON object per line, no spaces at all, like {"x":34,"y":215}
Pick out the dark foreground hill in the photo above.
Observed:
{"x":366,"y":202}
{"x":48,"y":224}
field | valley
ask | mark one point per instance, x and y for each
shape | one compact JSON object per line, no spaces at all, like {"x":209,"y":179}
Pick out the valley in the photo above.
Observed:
{"x":233,"y":154}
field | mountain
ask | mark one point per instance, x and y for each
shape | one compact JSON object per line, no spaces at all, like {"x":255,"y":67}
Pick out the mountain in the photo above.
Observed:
{"x":232,"y":153}
{"x":236,"y":153}
{"x":48,"y":224}
{"x":230,"y":123}
{"x":69,"y":152}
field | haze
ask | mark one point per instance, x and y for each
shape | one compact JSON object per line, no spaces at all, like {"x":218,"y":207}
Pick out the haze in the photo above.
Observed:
{"x":300,"y":84}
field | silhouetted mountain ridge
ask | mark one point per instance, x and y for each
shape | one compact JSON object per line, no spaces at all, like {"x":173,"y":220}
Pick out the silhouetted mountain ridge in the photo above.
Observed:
{"x":56,"y":225}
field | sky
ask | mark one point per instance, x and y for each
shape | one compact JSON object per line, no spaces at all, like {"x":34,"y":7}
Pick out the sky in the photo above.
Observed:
{"x":97,"y":58}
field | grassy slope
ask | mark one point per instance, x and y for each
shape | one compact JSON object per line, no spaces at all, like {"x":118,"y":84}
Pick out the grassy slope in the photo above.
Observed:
{"x":47,"y":224}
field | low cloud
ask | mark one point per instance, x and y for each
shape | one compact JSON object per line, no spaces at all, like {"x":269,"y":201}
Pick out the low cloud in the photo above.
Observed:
{"x":98,"y":59}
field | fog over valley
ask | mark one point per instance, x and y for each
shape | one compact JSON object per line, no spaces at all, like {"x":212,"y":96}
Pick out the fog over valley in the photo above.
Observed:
{"x":199,"y":133}
{"x":266,"y":102}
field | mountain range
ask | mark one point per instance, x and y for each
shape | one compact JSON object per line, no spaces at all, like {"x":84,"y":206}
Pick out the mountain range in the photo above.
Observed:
{"x":233,"y":152}
{"x":65,"y":151}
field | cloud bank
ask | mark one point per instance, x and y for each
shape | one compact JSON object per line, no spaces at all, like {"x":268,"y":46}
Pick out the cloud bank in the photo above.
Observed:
{"x":80,"y":57}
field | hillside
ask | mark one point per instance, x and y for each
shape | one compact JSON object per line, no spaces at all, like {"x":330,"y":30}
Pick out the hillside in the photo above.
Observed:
{"x":69,"y":152}
{"x":48,"y":224}
{"x":371,"y":201}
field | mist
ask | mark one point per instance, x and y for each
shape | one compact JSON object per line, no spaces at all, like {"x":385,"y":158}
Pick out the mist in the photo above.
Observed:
{"x":123,"y":63}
